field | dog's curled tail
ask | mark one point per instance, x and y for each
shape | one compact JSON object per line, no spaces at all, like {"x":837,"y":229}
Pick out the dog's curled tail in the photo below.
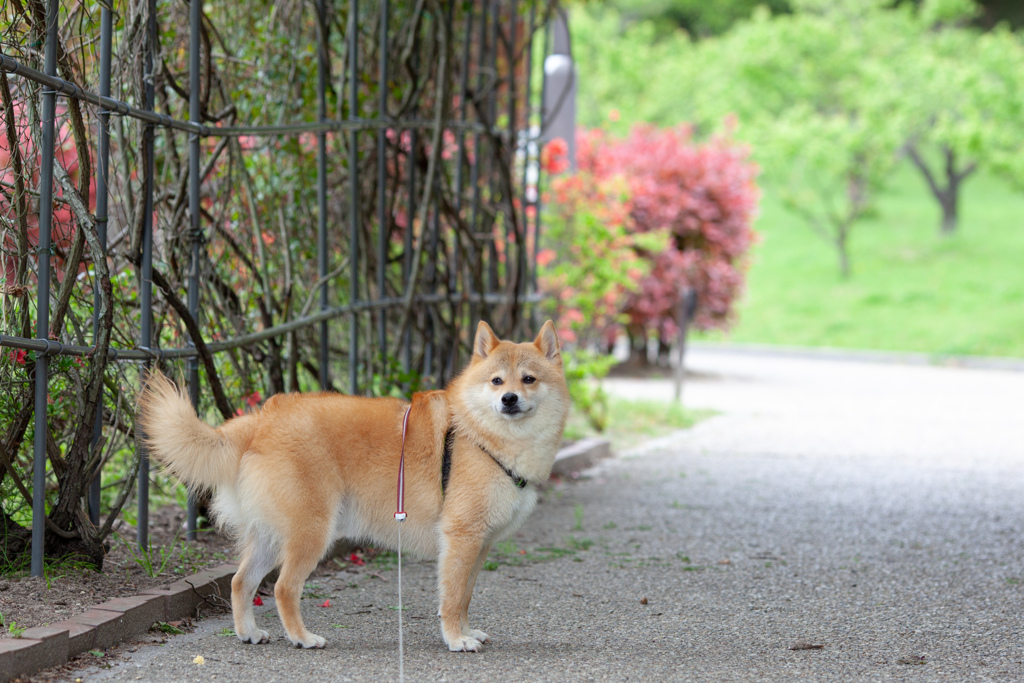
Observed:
{"x":193,"y":451}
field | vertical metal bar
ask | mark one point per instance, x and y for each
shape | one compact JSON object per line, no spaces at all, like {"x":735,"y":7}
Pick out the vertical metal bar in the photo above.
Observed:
{"x":43,"y":302}
{"x":474,"y":174}
{"x":146,"y":280}
{"x":196,"y":236}
{"x":493,"y":159}
{"x":414,"y":141}
{"x":382,"y":179}
{"x":431,"y":310}
{"x":527,"y":144}
{"x":460,"y":176}
{"x":353,"y":217}
{"x":450,"y":346}
{"x":538,"y":204}
{"x":102,"y":176}
{"x":522,"y":259}
{"x":323,"y":75}
{"x":687,"y":304}
{"x":407,"y":248}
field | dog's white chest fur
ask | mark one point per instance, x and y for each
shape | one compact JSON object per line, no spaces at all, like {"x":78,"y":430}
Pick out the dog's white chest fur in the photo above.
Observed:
{"x":510,"y":512}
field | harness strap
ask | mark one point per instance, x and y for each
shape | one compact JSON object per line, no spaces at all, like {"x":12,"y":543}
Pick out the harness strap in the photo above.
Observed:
{"x":520,"y":482}
{"x":446,"y":459}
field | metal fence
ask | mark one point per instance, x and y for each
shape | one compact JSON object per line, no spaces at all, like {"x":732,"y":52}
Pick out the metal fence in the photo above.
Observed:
{"x":454,"y":232}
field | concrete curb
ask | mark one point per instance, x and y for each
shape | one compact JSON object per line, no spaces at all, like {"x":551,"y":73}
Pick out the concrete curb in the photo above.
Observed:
{"x":112,"y":622}
{"x":863,"y":355}
{"x":578,"y":456}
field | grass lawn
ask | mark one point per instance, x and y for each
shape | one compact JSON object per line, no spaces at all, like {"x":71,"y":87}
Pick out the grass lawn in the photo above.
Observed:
{"x":911,"y":289}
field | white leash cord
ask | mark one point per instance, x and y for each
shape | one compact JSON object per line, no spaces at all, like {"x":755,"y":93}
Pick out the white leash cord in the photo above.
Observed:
{"x":401,"y":650}
{"x":400,"y":517}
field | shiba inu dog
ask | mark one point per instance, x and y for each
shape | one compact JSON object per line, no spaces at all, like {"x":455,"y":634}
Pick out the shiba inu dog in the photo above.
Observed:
{"x":308,"y":469}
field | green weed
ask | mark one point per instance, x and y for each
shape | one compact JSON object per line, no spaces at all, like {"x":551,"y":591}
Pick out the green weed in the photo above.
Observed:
{"x":13,"y":630}
{"x":152,"y":561}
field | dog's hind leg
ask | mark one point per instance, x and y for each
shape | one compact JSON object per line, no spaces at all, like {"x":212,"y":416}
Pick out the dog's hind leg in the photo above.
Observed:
{"x":258,"y":558}
{"x":301,"y":555}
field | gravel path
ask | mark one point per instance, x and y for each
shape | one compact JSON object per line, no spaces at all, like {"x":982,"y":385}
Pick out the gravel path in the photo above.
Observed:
{"x":873,"y":510}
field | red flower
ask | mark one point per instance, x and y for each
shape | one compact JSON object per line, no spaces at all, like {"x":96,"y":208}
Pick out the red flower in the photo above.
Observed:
{"x":356,"y":560}
{"x":327,"y":603}
{"x":253,"y":399}
{"x":18,"y":356}
{"x":258,"y":601}
{"x":554,"y":157}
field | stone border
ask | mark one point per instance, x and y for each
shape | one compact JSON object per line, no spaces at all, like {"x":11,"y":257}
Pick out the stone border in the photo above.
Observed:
{"x":863,"y":355}
{"x":112,"y":622}
{"x":582,"y":454}
{"x":117,"y":620}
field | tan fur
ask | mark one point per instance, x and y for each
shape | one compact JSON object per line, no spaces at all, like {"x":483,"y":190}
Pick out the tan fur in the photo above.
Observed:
{"x":308,"y":469}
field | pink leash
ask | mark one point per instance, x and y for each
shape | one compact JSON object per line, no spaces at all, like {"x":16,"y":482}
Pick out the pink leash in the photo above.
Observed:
{"x":400,"y":512}
{"x":400,"y":517}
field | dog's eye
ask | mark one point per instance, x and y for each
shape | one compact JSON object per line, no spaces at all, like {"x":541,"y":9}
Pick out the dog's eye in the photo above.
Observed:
{"x":529,"y":380}
{"x":496,"y":381}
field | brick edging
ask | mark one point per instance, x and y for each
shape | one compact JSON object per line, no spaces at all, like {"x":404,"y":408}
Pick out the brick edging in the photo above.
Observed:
{"x":112,"y":622}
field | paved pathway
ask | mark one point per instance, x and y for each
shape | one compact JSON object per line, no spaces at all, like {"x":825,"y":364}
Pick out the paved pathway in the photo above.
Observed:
{"x":876,"y":511}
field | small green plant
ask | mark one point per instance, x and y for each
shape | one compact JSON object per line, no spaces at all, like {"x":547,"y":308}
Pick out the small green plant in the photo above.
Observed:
{"x":577,"y":514}
{"x":164,"y":627}
{"x":579,"y":543}
{"x":610,"y":525}
{"x":152,"y":561}
{"x":508,"y":547}
{"x":226,"y":632}
{"x":339,"y":626}
{"x":13,"y":630}
{"x":490,"y":565}
{"x":315,"y":592}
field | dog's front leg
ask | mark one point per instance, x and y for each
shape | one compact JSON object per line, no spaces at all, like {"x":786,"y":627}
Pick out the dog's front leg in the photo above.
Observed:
{"x":468,"y":595}
{"x":460,"y":562}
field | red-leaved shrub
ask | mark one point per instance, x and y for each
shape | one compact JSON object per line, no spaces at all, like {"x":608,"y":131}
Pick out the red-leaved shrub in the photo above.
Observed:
{"x":705,"y":195}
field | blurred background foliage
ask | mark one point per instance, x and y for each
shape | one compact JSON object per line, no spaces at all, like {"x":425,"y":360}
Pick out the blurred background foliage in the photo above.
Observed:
{"x":889,"y":140}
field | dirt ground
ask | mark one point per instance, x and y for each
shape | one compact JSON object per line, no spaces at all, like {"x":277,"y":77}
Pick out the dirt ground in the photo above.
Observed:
{"x":68,"y":590}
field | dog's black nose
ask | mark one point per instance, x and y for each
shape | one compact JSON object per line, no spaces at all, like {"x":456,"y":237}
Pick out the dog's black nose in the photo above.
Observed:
{"x":509,"y":399}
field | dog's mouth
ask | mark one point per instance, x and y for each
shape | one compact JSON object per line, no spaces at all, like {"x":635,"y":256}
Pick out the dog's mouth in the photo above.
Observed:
{"x":513,"y":411}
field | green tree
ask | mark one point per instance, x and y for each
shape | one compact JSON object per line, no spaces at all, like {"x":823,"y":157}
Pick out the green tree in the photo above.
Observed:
{"x":956,"y":97}
{"x":805,"y":88}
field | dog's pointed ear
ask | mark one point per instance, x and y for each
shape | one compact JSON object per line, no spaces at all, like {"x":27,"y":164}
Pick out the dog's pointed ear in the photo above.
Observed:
{"x":485,"y":342}
{"x":547,"y":343}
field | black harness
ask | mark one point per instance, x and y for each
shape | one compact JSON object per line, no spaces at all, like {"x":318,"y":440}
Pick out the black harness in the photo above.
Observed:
{"x":446,"y":463}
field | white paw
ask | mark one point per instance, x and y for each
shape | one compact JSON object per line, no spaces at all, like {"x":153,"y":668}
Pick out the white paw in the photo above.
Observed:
{"x":255,"y":637}
{"x":465,"y":644}
{"x":479,"y":635}
{"x":310,"y":641}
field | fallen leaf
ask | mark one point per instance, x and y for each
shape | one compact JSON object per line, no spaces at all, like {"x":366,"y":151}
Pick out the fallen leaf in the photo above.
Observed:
{"x":199,"y":660}
{"x":258,"y":601}
{"x":326,"y":603}
{"x":803,"y":645}
{"x":913,"y":659}
{"x":643,"y":601}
